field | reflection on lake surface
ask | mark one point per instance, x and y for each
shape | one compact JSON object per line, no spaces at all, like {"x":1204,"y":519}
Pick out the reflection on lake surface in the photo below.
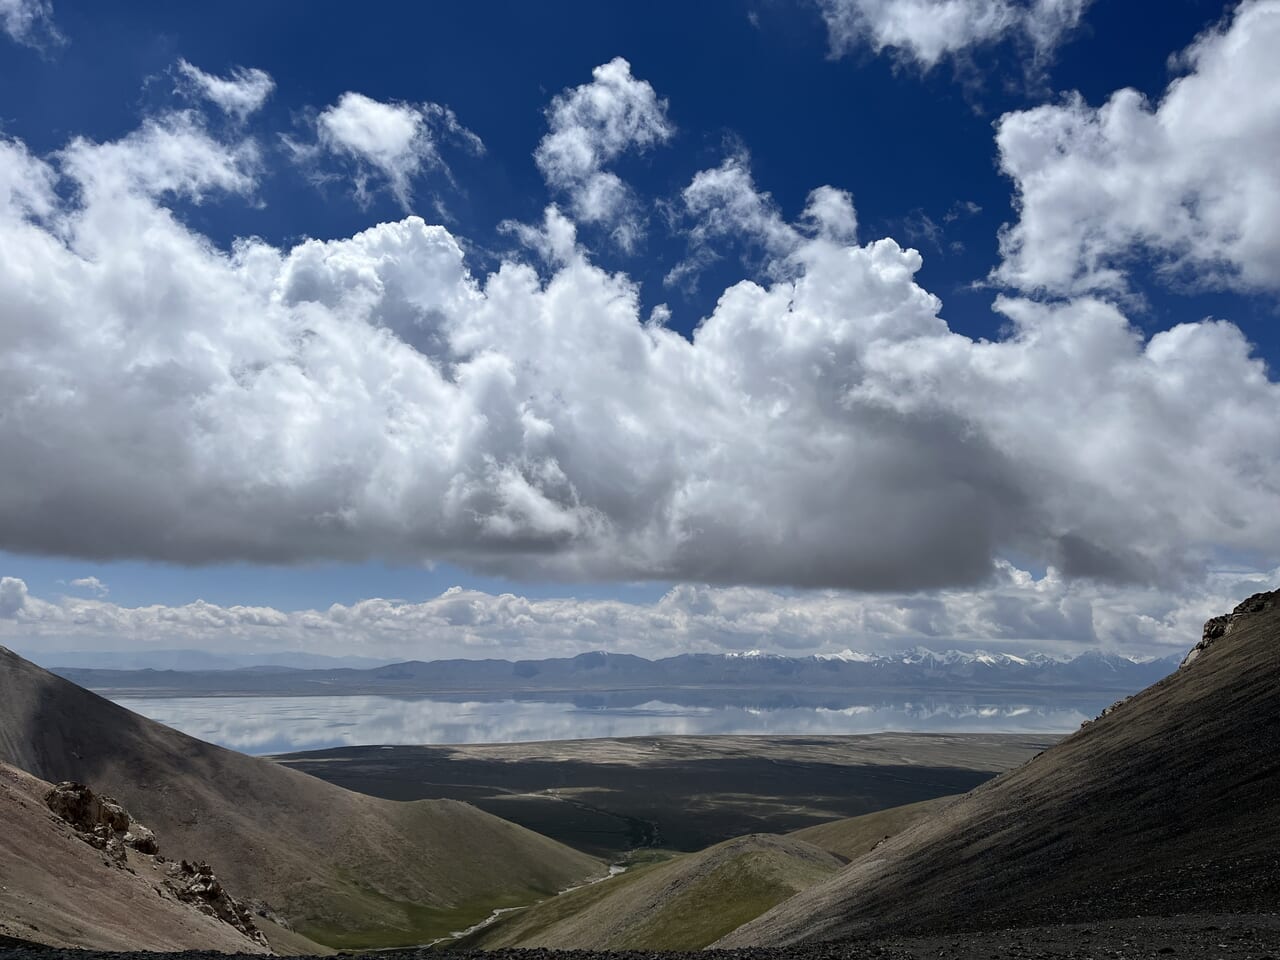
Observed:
{"x":263,"y":725}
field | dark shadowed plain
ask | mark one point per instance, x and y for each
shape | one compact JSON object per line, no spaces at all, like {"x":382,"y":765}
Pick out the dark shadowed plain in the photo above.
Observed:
{"x":682,"y":793}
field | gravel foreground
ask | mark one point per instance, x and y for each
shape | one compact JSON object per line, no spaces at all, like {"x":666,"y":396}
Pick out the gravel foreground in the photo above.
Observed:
{"x":1230,"y":937}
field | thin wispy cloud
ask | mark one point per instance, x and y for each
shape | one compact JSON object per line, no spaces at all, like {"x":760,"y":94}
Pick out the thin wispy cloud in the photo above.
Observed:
{"x":242,"y":92}
{"x":30,"y":22}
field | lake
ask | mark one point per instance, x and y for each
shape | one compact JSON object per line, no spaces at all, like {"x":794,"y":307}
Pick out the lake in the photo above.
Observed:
{"x":269,"y":725}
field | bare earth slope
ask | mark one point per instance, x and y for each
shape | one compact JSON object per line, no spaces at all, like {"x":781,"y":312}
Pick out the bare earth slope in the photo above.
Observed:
{"x":680,"y":904}
{"x":58,"y":890}
{"x":1169,"y":804}
{"x":347,"y":869}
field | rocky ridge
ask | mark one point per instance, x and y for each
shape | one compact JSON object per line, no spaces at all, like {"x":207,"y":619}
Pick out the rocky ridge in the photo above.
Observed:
{"x":105,"y":825}
{"x":1215,"y":628}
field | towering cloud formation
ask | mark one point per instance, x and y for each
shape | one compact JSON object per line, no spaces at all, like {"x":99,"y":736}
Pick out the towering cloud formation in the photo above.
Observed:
{"x":370,"y":396}
{"x":925,"y":32}
{"x":1191,"y":181}
{"x":591,"y":126}
{"x":163,"y":398}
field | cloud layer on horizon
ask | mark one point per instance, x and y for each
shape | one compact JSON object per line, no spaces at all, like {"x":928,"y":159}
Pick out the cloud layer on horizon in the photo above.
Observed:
{"x":1015,"y":613}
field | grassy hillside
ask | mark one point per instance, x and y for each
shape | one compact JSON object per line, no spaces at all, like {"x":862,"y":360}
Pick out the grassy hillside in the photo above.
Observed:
{"x":348,"y":870}
{"x":681,"y":904}
{"x":687,"y":902}
{"x":1168,"y":804}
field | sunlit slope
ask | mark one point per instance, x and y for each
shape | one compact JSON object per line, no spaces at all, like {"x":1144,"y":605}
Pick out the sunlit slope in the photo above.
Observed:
{"x":347,"y":869}
{"x":855,"y":836}
{"x":1168,"y":804}
{"x":680,"y":904}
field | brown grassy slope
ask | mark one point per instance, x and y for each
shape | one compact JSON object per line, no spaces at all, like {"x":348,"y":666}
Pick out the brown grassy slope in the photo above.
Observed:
{"x":1168,"y":804}
{"x":347,"y":869}
{"x":56,"y":889}
{"x":680,"y":904}
{"x":852,"y":837}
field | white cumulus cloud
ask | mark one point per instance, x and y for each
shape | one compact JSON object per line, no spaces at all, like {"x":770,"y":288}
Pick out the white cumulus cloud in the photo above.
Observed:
{"x":394,"y":142}
{"x":13,"y":598}
{"x":1191,"y":181}
{"x":925,"y":32}
{"x":239,"y":94}
{"x":591,"y":126}
{"x":371,"y":396}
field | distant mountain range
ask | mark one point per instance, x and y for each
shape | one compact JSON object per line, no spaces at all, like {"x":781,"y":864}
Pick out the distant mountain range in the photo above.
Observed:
{"x":921,"y":670}
{"x":192,"y":660}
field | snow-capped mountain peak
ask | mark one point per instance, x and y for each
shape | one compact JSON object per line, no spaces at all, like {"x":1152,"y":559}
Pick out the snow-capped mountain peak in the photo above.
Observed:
{"x":849,"y":656}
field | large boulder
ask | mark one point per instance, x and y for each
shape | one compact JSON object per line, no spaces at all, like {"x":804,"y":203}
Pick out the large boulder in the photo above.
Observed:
{"x":99,"y":820}
{"x":142,"y":839}
{"x":84,"y":809}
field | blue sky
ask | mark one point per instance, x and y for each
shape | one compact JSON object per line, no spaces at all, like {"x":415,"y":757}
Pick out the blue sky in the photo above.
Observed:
{"x":772,"y":97}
